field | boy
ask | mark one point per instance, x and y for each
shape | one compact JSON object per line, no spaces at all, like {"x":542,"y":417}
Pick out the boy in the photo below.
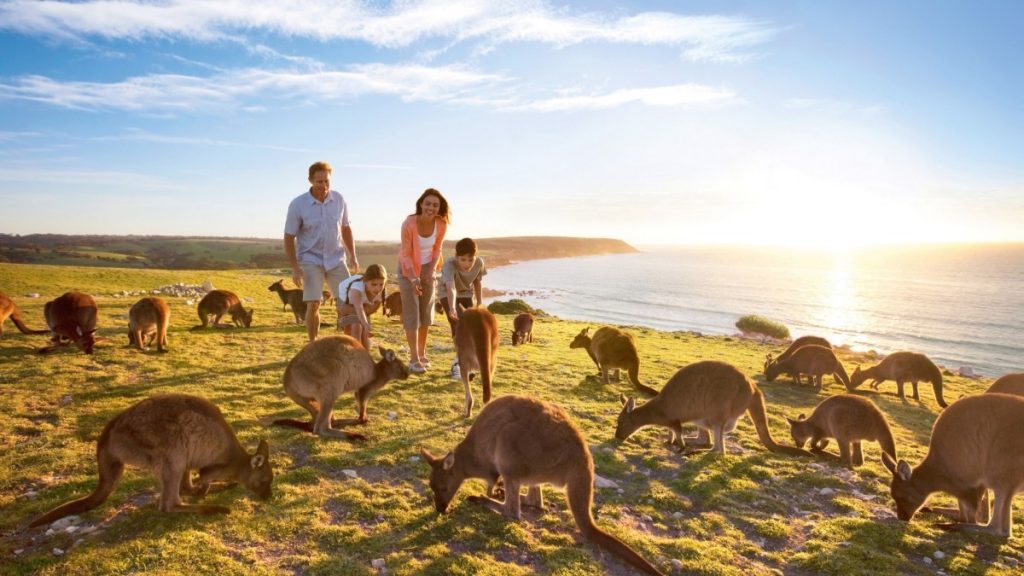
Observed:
{"x":461,"y":276}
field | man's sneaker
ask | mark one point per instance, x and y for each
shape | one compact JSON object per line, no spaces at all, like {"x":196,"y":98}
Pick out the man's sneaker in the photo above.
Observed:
{"x":456,"y":373}
{"x":416,"y":368}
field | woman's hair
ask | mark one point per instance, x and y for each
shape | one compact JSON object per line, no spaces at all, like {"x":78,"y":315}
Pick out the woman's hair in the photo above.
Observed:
{"x":442,"y":212}
{"x":375,"y":272}
{"x":318,"y":166}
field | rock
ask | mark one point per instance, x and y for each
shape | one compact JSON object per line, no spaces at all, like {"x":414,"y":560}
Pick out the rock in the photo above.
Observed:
{"x":967,"y":372}
{"x":677,"y":565}
{"x":939,"y":555}
{"x":190,"y":302}
{"x":350,"y":473}
{"x":64,"y":522}
{"x":32,"y":295}
{"x":414,"y":458}
{"x":647,"y":518}
{"x":58,"y":552}
{"x":602,"y":482}
{"x":207,"y":286}
{"x":826,"y":491}
{"x":392,"y":415}
{"x":65,"y":400}
{"x":19,"y":551}
{"x":927,"y":560}
{"x":677,"y":515}
{"x":377,"y":563}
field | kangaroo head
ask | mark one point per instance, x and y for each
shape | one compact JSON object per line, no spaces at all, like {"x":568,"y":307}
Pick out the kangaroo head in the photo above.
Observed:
{"x":581,"y":340}
{"x":391,"y":366}
{"x":277,"y":286}
{"x":771,"y":370}
{"x":768,"y":359}
{"x":260,"y":473}
{"x":800,"y":429}
{"x":625,"y":426}
{"x":247,"y":317}
{"x":85,"y":339}
{"x":515,"y":338}
{"x":907,"y":497}
{"x":445,"y":478}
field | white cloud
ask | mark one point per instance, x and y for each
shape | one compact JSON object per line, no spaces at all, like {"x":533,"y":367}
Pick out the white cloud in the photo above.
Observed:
{"x":678,"y":96}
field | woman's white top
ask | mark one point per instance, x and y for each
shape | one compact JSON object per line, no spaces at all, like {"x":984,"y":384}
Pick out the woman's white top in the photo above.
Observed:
{"x":427,"y":245}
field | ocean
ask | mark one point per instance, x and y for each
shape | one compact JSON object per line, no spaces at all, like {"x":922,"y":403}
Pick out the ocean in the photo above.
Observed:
{"x":960,"y":305}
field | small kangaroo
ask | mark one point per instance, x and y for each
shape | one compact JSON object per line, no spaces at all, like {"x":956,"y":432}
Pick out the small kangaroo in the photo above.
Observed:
{"x":611,"y":348}
{"x":796,"y":345}
{"x":526,"y":442}
{"x":902,"y":367}
{"x":476,"y":345}
{"x":813,"y":360}
{"x":849,"y":419}
{"x":977,"y":444}
{"x":8,"y":309}
{"x":522,"y":329}
{"x":393,"y":304}
{"x":71,"y":318}
{"x":711,"y":394}
{"x":148,"y":319}
{"x":327,"y":368}
{"x":218,"y":303}
{"x":293,"y":298}
{"x":172,"y":434}
{"x":1008,"y":384}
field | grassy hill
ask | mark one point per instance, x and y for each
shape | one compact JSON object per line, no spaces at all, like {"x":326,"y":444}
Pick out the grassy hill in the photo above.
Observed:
{"x":746,"y":512}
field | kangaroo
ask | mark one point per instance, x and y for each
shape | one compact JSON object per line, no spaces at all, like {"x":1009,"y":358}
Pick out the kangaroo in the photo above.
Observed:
{"x":291,"y":298}
{"x":218,"y":303}
{"x":522,"y":329}
{"x":977,"y":444}
{"x":815,"y":361}
{"x":8,"y":309}
{"x":902,"y":367}
{"x":71,"y":318}
{"x":796,"y":345}
{"x":612,"y":348}
{"x":849,"y":419}
{"x":148,"y":319}
{"x":476,"y":346}
{"x":393,"y":304}
{"x":711,"y":394}
{"x":325,"y":369}
{"x":526,"y":442}
{"x":172,"y":434}
{"x":1008,"y":384}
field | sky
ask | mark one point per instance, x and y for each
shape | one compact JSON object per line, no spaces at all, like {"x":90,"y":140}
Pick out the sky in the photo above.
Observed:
{"x":817,"y":124}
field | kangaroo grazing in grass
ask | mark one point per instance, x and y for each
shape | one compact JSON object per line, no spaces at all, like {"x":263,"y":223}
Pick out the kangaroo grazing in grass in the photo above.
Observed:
{"x":8,"y":309}
{"x":217,"y":303}
{"x":711,"y":394}
{"x":522,"y":329}
{"x":148,"y":319}
{"x":1008,"y":384}
{"x":849,"y":419}
{"x":977,"y":444}
{"x":476,"y":345}
{"x":172,"y":434}
{"x":327,"y":368}
{"x":290,"y":297}
{"x":611,"y":348}
{"x":813,"y":360}
{"x":902,"y":367}
{"x":796,"y":345}
{"x":526,"y":442}
{"x":71,"y":318}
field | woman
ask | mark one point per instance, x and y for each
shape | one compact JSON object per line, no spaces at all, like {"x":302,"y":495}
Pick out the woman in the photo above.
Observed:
{"x":418,"y":260}
{"x":358,"y":297}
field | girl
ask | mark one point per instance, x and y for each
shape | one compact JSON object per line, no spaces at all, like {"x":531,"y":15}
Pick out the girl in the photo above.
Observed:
{"x":358,"y":296}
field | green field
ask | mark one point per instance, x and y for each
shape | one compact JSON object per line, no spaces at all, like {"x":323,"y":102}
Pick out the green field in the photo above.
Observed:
{"x":746,"y":512}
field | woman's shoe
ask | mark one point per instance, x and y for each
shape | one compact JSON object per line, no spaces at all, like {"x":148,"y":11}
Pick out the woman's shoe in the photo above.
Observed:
{"x":416,"y":368}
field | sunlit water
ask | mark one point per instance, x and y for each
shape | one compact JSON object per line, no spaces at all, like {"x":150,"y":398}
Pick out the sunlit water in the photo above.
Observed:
{"x":962,"y":306}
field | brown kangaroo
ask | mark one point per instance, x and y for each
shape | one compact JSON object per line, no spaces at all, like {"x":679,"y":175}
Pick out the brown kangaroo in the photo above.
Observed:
{"x":8,"y":309}
{"x":71,"y":318}
{"x":1008,"y":384}
{"x":220,"y":302}
{"x":148,"y":319}
{"x":327,"y":368}
{"x":849,"y":419}
{"x":526,"y":442}
{"x":522,"y":329}
{"x":476,"y":345}
{"x":902,"y":367}
{"x":172,"y":434}
{"x":977,"y":444}
{"x":813,"y":360}
{"x":796,"y":345}
{"x":293,"y":298}
{"x":711,"y":394}
{"x":611,"y":348}
{"x":393,"y":304}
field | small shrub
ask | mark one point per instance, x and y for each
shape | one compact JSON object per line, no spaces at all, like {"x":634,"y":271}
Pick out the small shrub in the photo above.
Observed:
{"x":513,"y":306}
{"x":760,"y":325}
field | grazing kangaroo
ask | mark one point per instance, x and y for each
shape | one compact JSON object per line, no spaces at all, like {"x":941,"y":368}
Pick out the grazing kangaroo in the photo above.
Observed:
{"x":815,"y":361}
{"x":393,"y":304}
{"x":902,"y":367}
{"x":148,"y":319}
{"x":172,"y":434}
{"x":218,"y":303}
{"x":476,"y":345}
{"x":711,"y":394}
{"x":327,"y":368}
{"x":1008,"y":384}
{"x":71,"y":318}
{"x":522,"y":329}
{"x":849,"y":419}
{"x":977,"y":444}
{"x":293,"y":298}
{"x":526,"y":442}
{"x":796,"y":345}
{"x":8,"y":309}
{"x":611,"y":348}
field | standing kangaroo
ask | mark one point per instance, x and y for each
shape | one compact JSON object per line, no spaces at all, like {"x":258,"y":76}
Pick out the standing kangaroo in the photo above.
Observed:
{"x":71,"y":318}
{"x":8,"y":309}
{"x":796,"y":345}
{"x":902,"y":367}
{"x":977,"y":444}
{"x":711,"y":394}
{"x":813,"y":360}
{"x":172,"y":435}
{"x":1008,"y":384}
{"x":327,"y":368}
{"x":148,"y":319}
{"x":476,"y":345}
{"x":522,"y":329}
{"x":217,"y":303}
{"x":291,"y":298}
{"x":611,"y":348}
{"x":849,"y":419}
{"x":526,"y":442}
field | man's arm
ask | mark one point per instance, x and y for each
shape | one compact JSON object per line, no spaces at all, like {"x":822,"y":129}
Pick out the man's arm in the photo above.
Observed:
{"x":293,"y":259}
{"x":350,"y":248}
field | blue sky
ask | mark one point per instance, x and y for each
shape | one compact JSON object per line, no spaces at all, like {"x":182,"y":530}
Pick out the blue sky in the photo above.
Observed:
{"x":805,"y":123}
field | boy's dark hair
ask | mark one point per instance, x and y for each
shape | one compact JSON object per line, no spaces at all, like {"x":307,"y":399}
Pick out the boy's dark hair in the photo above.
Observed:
{"x":465,"y":247}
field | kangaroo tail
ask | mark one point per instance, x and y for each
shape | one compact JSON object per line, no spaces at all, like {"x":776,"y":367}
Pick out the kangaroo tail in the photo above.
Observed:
{"x":484,"y":355}
{"x":111,"y":470}
{"x":937,"y":387}
{"x":841,"y":375}
{"x":291,"y":423}
{"x":634,"y":377}
{"x":16,"y":318}
{"x":759,"y":416}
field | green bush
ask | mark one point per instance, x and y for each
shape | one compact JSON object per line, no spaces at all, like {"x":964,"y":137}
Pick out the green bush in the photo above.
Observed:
{"x":513,"y":306}
{"x":760,"y":325}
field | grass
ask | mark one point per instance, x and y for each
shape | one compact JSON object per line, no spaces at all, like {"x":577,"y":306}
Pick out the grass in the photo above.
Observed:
{"x":745,"y":512}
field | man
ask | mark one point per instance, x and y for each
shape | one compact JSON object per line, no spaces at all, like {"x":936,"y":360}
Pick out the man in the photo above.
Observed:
{"x":316,"y":227}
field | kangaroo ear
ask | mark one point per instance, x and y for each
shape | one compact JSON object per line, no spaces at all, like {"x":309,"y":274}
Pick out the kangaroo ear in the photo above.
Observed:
{"x":449,"y":461}
{"x":791,"y":421}
{"x":388,"y":355}
{"x":801,"y":417}
{"x":630,"y":405}
{"x":622,"y":399}
{"x":261,"y":456}
{"x":427,"y":456}
{"x":903,"y":469}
